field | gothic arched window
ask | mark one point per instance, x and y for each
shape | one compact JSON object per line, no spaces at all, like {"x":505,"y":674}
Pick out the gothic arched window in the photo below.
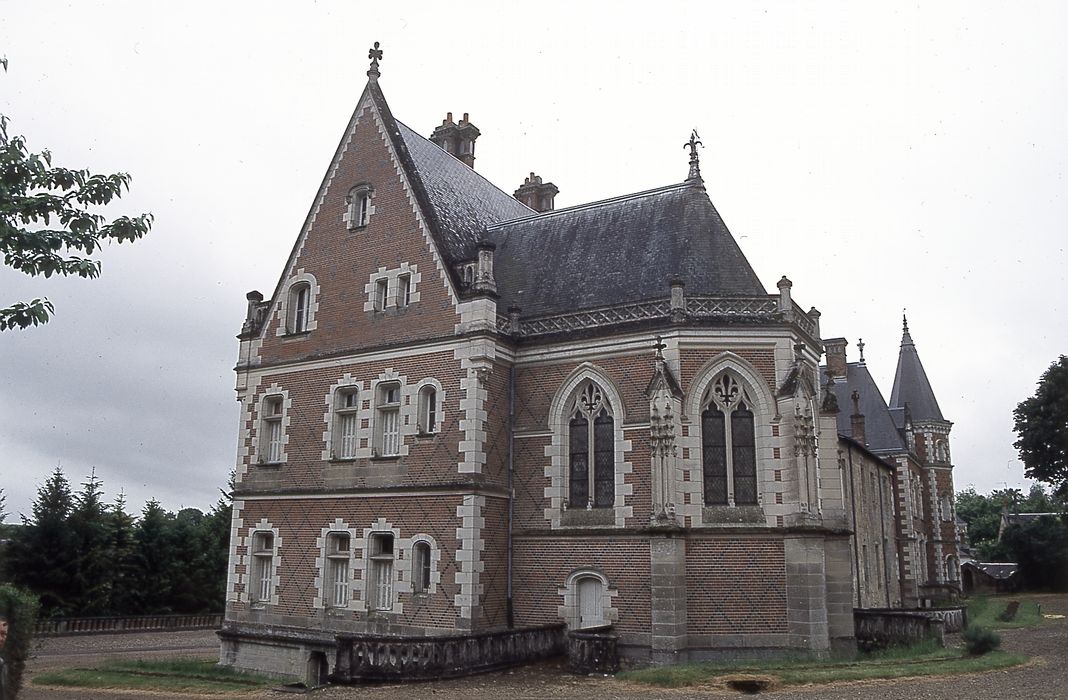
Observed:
{"x":591,"y":450}
{"x":729,"y":444}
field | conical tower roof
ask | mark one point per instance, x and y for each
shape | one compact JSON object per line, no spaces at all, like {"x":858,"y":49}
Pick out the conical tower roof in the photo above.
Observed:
{"x":910,"y":382}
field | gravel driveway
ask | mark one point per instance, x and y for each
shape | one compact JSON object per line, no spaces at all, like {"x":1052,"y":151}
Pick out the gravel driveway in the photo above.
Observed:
{"x":1045,"y":678}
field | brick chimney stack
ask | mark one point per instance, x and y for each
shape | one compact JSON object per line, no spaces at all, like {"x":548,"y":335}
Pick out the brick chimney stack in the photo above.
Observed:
{"x":836,"y":356}
{"x":457,"y":138}
{"x":536,"y":194}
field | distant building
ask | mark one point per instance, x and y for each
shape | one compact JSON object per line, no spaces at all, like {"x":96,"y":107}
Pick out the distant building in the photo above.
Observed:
{"x":1008,"y":519}
{"x":990,"y":577}
{"x":911,"y":436}
{"x":466,"y":412}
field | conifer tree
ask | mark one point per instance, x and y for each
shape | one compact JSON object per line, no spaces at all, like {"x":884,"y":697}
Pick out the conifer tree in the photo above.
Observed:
{"x":216,"y":539}
{"x":121,"y":531}
{"x":42,"y":554}
{"x":154,"y":557}
{"x":94,"y":561}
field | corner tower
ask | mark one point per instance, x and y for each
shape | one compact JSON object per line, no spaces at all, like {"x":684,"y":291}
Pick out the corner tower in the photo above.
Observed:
{"x":926,"y":433}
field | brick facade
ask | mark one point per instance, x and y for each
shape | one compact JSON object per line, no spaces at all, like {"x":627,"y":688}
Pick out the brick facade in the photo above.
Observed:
{"x":487,"y":487}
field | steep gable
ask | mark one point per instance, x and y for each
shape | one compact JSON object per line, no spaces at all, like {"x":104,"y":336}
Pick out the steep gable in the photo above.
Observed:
{"x":342,"y":261}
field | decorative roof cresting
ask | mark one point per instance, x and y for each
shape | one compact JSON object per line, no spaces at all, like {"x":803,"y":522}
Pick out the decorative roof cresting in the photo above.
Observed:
{"x":375,"y":54}
{"x":695,"y":164}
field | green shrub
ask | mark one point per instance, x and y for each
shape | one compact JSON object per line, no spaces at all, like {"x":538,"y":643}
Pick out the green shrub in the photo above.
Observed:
{"x":979,"y":640}
{"x":20,"y":609}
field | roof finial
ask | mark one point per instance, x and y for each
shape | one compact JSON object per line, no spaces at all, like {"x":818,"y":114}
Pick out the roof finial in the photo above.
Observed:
{"x":695,"y":165}
{"x":860,"y":346}
{"x":375,"y":54}
{"x":659,"y":347}
{"x":904,"y":322}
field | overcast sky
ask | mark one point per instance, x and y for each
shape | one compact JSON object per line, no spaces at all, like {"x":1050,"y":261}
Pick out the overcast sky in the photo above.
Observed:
{"x":881,"y":158}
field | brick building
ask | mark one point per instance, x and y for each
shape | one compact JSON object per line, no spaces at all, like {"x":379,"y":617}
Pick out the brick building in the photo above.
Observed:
{"x":450,"y":426}
{"x":911,"y":438}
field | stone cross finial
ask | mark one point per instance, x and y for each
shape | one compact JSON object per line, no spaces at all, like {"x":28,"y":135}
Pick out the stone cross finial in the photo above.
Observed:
{"x":659,"y":347}
{"x":375,"y":54}
{"x":860,"y":346}
{"x":695,"y":164}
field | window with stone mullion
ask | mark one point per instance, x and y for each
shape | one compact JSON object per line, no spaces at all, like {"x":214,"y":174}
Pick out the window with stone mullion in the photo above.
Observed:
{"x":715,"y":456}
{"x":743,"y":452}
{"x":579,"y":472}
{"x":604,"y":476}
{"x":729,"y":445}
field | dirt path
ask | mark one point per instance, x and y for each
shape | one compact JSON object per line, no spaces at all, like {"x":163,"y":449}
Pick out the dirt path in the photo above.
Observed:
{"x":1046,"y":678}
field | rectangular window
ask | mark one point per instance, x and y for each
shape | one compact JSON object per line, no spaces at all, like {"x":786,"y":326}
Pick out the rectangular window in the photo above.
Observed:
{"x":404,"y":290}
{"x":363,"y":208}
{"x":337,"y":569}
{"x":428,"y":410}
{"x":262,"y":566}
{"x":381,"y":578}
{"x":272,"y":429}
{"x":347,"y":424}
{"x":381,"y":289}
{"x":421,"y":567}
{"x":388,"y":409}
{"x":714,"y":454}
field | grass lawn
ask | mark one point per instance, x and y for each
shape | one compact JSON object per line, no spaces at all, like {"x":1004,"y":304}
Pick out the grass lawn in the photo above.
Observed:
{"x":925,"y":659}
{"x":984,"y":611}
{"x":179,"y":675}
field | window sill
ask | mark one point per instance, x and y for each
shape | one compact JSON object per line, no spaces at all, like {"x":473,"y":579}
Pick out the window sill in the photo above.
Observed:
{"x":270,"y":465}
{"x":291,"y":335}
{"x":733,"y":515}
{"x":595,"y":517}
{"x":421,"y":434}
{"x":343,"y":460}
{"x":385,"y":458}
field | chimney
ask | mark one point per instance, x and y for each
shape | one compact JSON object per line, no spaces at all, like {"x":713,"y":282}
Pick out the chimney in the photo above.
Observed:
{"x":457,"y":138}
{"x":484,"y":280}
{"x":856,"y":421}
{"x":254,"y":315}
{"x":836,"y":356}
{"x":536,"y":194}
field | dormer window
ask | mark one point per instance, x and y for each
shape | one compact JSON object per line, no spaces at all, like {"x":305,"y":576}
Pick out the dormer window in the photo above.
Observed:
{"x":359,"y":209}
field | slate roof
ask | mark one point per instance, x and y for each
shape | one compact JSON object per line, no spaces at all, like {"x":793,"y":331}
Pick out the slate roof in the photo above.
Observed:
{"x":618,"y":251}
{"x":911,"y":385}
{"x":610,"y":252}
{"x":465,"y":203}
{"x":880,"y":432}
{"x":997,"y":570}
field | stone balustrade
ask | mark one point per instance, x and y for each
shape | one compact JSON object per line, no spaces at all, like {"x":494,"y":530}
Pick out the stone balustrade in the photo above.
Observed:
{"x":366,"y":657}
